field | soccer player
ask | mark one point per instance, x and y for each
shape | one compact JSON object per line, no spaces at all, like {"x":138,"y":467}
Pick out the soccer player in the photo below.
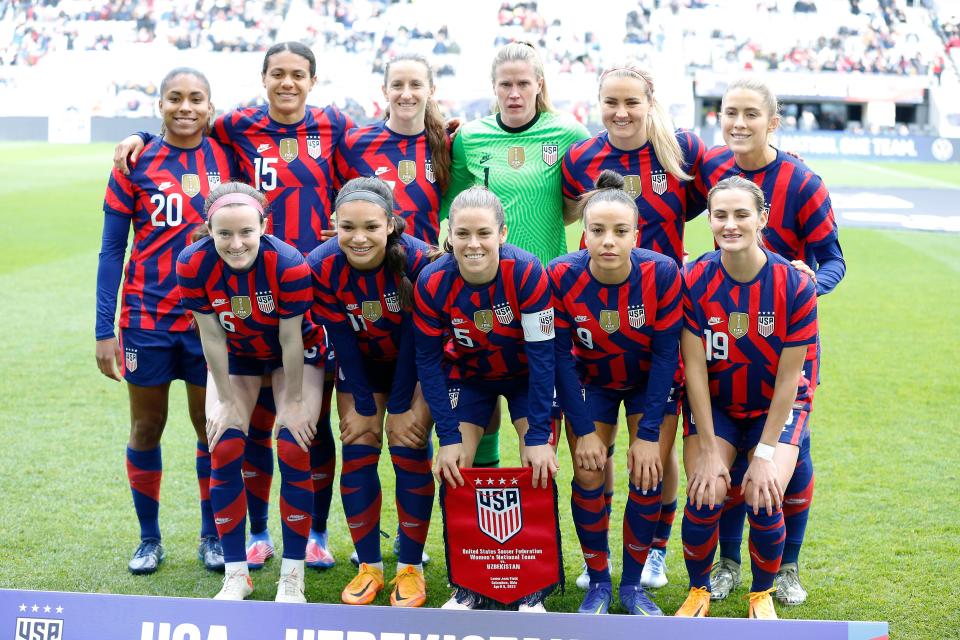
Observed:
{"x":484,"y":328}
{"x":750,"y":324}
{"x":410,"y":150}
{"x":163,"y":199}
{"x":285,"y":149}
{"x":657,"y":163}
{"x":802,"y":229}
{"x":363,"y":287}
{"x":617,"y":337}
{"x":250,"y":294}
{"x":516,"y":153}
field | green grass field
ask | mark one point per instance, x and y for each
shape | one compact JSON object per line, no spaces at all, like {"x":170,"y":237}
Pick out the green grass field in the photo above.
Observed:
{"x":884,"y":538}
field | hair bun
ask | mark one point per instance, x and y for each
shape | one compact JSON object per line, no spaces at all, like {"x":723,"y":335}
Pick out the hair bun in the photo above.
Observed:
{"x":609,"y":179}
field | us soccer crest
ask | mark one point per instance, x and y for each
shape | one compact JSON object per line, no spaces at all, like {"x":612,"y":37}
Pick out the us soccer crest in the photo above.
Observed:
{"x":39,"y":628}
{"x":428,"y":171}
{"x":766,"y":322}
{"x":499,"y":514}
{"x":265,"y":301}
{"x":609,"y":320}
{"x":190,"y":183}
{"x":393,"y":302}
{"x":504,"y":313}
{"x":371,"y":310}
{"x":659,"y":182}
{"x":241,"y":307}
{"x":483,"y":320}
{"x":213,"y":180}
{"x":130,"y":359}
{"x":636,"y":316}
{"x":313,"y":147}
{"x":551,"y":153}
{"x":738,"y":324}
{"x":407,"y":171}
{"x":289,"y":149}
{"x":515,"y":157}
{"x":632,"y":186}
{"x":454,"y":395}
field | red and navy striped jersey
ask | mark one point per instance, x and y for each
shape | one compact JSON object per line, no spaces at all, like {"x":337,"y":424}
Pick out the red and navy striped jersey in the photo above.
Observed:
{"x":801,"y":216}
{"x":665,"y":203}
{"x":366,"y":302}
{"x":249,"y":305}
{"x":163,"y":197}
{"x":292,"y":164}
{"x":481,"y":325}
{"x":612,"y":327}
{"x":405,"y":163}
{"x":746,"y":326}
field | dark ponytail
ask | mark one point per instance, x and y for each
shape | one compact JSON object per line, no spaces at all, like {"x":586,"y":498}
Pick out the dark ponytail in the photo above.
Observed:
{"x":607,"y":188}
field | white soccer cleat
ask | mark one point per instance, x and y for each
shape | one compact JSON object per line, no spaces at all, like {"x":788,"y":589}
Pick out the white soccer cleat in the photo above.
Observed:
{"x":290,"y":587}
{"x":237,"y":585}
{"x":654,"y":573}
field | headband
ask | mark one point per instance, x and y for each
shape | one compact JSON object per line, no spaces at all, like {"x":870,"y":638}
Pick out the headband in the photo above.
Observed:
{"x":234,"y":198}
{"x":366,"y":196}
{"x":641,"y":74}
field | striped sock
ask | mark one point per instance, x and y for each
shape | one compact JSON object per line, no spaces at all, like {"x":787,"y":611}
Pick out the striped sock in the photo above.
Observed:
{"x":228,"y":496}
{"x":258,"y":461}
{"x":766,"y":547}
{"x":797,"y":500}
{"x":668,"y":512}
{"x":414,"y":494}
{"x":144,"y":471}
{"x":734,"y":513}
{"x":640,"y":520}
{"x":592,"y":522}
{"x":360,"y":492}
{"x":296,"y":495}
{"x":323,"y":464}
{"x":699,"y":534}
{"x":208,"y":529}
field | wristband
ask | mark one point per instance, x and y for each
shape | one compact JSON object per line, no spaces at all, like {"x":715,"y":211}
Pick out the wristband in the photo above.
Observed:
{"x":764,"y":452}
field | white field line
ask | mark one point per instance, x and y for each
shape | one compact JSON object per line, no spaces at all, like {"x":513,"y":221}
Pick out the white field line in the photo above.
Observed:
{"x":877,"y":168}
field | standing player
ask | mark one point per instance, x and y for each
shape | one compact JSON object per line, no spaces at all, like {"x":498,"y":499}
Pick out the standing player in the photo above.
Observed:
{"x":657,"y":163}
{"x":750,"y":323}
{"x":618,"y":330}
{"x":363,"y":287}
{"x":162,"y":197}
{"x":249,"y":293}
{"x":484,"y":329}
{"x":285,"y":149}
{"x":802,"y":229}
{"x":516,"y":154}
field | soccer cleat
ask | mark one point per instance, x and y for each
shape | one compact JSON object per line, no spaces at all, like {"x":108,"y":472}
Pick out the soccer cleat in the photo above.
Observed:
{"x":424,"y":560}
{"x":654,"y":573}
{"x":290,"y":587}
{"x":210,"y":553}
{"x":636,"y":601}
{"x":364,"y":587}
{"x":462,"y":600}
{"x":789,"y":590}
{"x":761,"y":605}
{"x":318,"y":555}
{"x":532,"y":604}
{"x":259,"y":550}
{"x":597,"y":600}
{"x":583,"y":580}
{"x":724,"y":578}
{"x":697,"y":604}
{"x":147,"y":557}
{"x":236,"y":586}
{"x":409,"y":588}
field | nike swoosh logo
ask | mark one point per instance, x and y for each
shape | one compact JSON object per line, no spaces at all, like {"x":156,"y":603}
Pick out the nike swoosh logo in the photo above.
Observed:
{"x":362,"y":591}
{"x":397,"y":596}
{"x":697,"y":612}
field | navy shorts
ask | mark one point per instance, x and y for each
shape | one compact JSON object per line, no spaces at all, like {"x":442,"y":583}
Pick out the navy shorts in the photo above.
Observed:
{"x":247,"y":366}
{"x":379,"y":377}
{"x":744,"y":433}
{"x":152,"y":358}
{"x":604,"y":404}
{"x":473,"y":401}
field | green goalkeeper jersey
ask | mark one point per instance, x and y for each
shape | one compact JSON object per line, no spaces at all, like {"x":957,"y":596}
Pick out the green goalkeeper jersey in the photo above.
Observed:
{"x":522,"y":167}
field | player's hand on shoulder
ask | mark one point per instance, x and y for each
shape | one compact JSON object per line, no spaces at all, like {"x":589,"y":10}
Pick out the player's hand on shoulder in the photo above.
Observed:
{"x":803,"y":267}
{"x":130,"y":147}
{"x":109,"y":358}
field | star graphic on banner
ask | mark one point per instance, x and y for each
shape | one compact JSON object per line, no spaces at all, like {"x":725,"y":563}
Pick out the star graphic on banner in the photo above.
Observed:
{"x":23,"y":607}
{"x":59,"y":609}
{"x":479,"y":482}
{"x":34,"y":608}
{"x":46,"y":609}
{"x":489,"y":480}
{"x":502,"y":481}
{"x":513,"y":481}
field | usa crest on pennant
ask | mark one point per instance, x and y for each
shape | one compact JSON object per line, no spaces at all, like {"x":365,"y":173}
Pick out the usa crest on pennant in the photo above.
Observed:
{"x":190,"y":183}
{"x":609,"y":320}
{"x":504,"y":313}
{"x":551,"y":153}
{"x":289,"y":149}
{"x":738,"y":323}
{"x":636,"y":316}
{"x":766,"y":322}
{"x":265,"y":301}
{"x":313,"y":147}
{"x":499,"y":513}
